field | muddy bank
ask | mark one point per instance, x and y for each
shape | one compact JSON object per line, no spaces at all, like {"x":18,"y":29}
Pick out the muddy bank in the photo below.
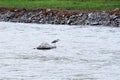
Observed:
{"x":70,"y":17}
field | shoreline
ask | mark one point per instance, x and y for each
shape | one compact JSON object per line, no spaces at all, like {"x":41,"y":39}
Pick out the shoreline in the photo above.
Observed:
{"x":63,"y":17}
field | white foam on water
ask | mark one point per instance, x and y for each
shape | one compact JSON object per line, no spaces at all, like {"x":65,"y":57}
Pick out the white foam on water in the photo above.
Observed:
{"x":83,"y":52}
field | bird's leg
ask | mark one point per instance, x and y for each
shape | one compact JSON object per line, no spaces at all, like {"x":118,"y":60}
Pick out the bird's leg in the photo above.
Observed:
{"x":54,"y":44}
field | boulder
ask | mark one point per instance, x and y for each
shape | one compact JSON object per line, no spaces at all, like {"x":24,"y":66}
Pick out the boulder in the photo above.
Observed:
{"x":46,"y":46}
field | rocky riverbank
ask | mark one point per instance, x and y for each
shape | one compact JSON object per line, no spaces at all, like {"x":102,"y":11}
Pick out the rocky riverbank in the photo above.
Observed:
{"x":70,"y":17}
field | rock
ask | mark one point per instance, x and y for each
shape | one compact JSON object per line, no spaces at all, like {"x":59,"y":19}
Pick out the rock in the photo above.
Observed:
{"x":92,"y":19}
{"x":99,"y":18}
{"x":115,"y":21}
{"x":116,"y":9}
{"x":49,"y":16}
{"x":71,"y":20}
{"x":48,"y":10}
{"x":44,"y":46}
{"x":113,"y":16}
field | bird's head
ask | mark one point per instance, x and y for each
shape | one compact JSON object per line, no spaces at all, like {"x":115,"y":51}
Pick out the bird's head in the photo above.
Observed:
{"x":55,"y":41}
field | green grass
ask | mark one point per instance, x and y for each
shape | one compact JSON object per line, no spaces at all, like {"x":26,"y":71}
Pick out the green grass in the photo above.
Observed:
{"x":62,"y":4}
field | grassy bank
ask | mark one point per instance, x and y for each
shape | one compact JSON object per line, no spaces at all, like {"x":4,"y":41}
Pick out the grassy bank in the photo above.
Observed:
{"x":62,"y":4}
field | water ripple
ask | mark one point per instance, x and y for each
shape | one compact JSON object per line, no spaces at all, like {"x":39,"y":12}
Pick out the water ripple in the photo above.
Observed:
{"x":83,"y":53}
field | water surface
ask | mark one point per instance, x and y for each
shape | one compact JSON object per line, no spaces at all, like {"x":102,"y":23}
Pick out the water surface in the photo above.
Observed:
{"x":83,"y":53}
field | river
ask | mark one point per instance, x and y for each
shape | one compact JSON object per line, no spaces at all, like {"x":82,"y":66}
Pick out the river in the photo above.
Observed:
{"x":83,"y":52}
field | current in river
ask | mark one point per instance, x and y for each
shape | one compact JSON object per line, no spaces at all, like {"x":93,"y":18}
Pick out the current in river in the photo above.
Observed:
{"x":83,"y":52}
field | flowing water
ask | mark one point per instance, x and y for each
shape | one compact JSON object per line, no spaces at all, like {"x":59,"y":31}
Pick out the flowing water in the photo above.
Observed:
{"x":83,"y":52}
